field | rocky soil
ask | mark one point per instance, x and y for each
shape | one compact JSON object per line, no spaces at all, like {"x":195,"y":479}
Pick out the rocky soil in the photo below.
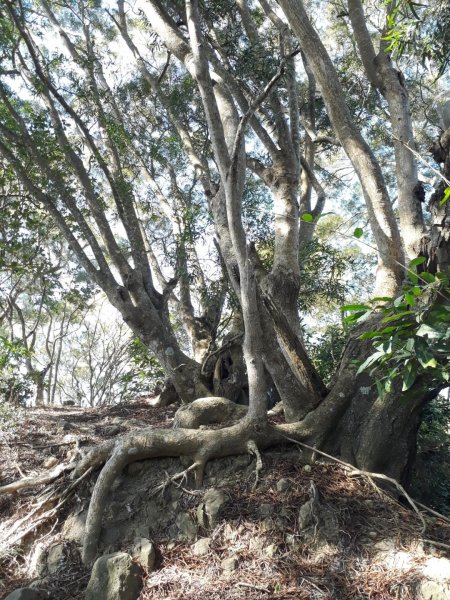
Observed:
{"x":304,"y":529}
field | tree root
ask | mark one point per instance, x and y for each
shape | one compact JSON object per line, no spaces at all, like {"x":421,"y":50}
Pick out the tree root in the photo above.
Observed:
{"x":208,"y":411}
{"x":201,"y":446}
{"x":36,"y":480}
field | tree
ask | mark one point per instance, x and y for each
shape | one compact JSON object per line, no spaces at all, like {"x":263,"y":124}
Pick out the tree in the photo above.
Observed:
{"x":139,"y":170}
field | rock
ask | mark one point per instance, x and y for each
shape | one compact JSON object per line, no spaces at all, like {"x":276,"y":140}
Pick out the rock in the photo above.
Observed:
{"x":209,"y":509}
{"x":40,"y":584}
{"x":74,"y":526}
{"x":271,"y":550}
{"x":434,"y":590}
{"x":28,"y":594}
{"x":437,"y":568}
{"x":114,"y":577}
{"x":64,"y":425}
{"x":50,"y":462}
{"x":144,"y":552}
{"x":186,"y":525}
{"x":201,"y":547}
{"x":112,"y":430}
{"x":229,"y":565}
{"x":317,"y":523}
{"x":55,"y":558}
{"x":265,"y":510}
{"x":37,"y":561}
{"x":283,"y":485}
{"x":256,"y":544}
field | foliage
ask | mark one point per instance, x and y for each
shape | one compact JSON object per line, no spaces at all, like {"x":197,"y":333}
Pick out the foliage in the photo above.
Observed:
{"x":11,"y":417}
{"x":413,"y":337}
{"x":323,"y":274}
{"x":149,"y":372}
{"x":15,"y":387}
{"x":432,"y":468}
{"x":421,"y":29}
{"x":325,"y":350}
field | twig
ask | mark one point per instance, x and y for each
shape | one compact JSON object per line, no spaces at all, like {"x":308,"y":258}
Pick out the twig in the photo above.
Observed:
{"x":439,"y":544}
{"x":417,"y":155}
{"x":433,"y":512}
{"x":252,"y":586}
{"x":369,"y":475}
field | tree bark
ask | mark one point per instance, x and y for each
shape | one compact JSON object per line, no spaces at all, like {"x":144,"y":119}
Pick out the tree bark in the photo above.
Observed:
{"x":379,"y":208}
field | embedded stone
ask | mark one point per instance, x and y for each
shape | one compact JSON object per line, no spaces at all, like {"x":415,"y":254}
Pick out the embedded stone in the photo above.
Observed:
{"x":283,"y":485}
{"x":229,"y":565}
{"x":114,"y":577}
{"x":144,"y":552}
{"x":55,"y":558}
{"x":201,"y":547}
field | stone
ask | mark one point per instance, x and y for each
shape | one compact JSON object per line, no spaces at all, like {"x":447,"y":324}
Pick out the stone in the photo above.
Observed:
{"x":144,"y":553}
{"x":64,"y":425}
{"x":50,"y":462}
{"x":265,"y":509}
{"x":37,"y":561}
{"x":186,"y":526}
{"x":74,"y":526}
{"x":28,"y":594}
{"x":256,"y":543}
{"x":209,"y":509}
{"x":201,"y":547}
{"x":114,"y":577}
{"x":271,"y":550}
{"x":55,"y":558}
{"x":229,"y":565}
{"x":434,"y":590}
{"x":283,"y":485}
{"x":112,"y":430}
{"x":437,"y":568}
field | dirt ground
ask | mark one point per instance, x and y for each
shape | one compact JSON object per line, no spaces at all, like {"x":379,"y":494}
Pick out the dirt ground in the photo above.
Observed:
{"x":379,"y":550}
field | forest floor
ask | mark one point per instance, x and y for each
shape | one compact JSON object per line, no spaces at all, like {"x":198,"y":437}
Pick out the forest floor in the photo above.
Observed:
{"x":380,"y":552}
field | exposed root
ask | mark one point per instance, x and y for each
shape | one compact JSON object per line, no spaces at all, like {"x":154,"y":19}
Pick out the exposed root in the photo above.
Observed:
{"x":253,"y":449}
{"x":52,"y":500}
{"x":208,"y":411}
{"x":36,"y":480}
{"x":149,"y":443}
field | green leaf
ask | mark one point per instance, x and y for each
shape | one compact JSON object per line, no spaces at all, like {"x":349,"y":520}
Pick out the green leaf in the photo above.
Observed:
{"x":359,"y":232}
{"x":428,"y":277}
{"x":431,"y":332}
{"x":369,"y":335}
{"x":307,"y":217}
{"x":352,"y":307}
{"x":410,"y":298}
{"x":409,"y":375}
{"x":417,"y":261}
{"x":399,"y":315}
{"x":445,"y":197}
{"x":370,"y":361}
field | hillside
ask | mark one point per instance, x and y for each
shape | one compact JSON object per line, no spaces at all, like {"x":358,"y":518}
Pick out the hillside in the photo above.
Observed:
{"x":306,"y":529}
